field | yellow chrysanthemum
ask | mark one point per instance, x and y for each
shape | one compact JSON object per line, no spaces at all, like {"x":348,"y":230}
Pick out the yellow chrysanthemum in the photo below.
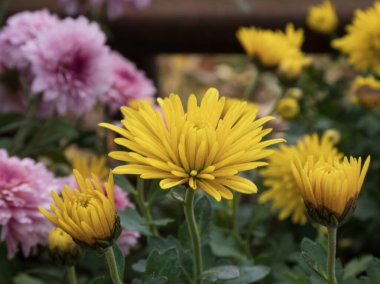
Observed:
{"x":251,"y":108}
{"x":279,"y":178}
{"x":288,"y":108}
{"x":362,"y":43}
{"x":88,"y":165}
{"x":275,"y":48}
{"x":367,"y":91}
{"x":199,"y":147}
{"x":88,"y":213}
{"x":330,"y":186}
{"x":322,"y":18}
{"x":333,"y":135}
{"x":62,"y":247}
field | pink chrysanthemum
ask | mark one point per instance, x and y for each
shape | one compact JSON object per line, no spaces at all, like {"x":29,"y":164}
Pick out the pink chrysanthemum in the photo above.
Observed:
{"x":24,"y":184}
{"x":71,"y":65}
{"x":129,"y":83}
{"x":127,"y":240}
{"x":19,"y":30}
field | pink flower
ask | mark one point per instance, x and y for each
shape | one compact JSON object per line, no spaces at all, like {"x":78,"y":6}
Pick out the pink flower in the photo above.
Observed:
{"x":129,"y":83}
{"x":19,"y":30}
{"x":71,"y":65}
{"x":127,"y":240}
{"x":24,"y":184}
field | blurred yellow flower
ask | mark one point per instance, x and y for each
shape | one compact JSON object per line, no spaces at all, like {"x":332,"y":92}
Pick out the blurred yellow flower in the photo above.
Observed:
{"x":275,"y":48}
{"x":322,"y":18}
{"x":288,"y":108}
{"x":88,"y":213}
{"x":251,"y":108}
{"x":88,"y":165}
{"x":199,"y":147}
{"x":367,"y":91}
{"x":362,"y":43}
{"x":279,"y":178}
{"x":330,"y":186}
{"x":62,"y":248}
{"x":295,"y":93}
{"x":333,"y":135}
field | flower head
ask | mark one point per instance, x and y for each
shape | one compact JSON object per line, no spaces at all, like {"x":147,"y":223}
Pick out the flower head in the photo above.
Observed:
{"x":367,"y":91}
{"x":71,"y":65}
{"x":330,"y":187}
{"x":288,"y":108}
{"x":62,"y":247}
{"x":24,"y":184}
{"x":129,"y":84}
{"x":322,"y":18}
{"x":88,"y":213}
{"x":198,"y":148}
{"x":20,"y":30}
{"x":362,"y":43}
{"x":279,"y":178}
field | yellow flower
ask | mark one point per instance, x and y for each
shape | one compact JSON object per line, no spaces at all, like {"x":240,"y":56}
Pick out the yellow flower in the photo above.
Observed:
{"x":322,"y":18}
{"x":199,"y":147}
{"x":292,"y":66}
{"x":362,"y":43}
{"x":295,"y":93}
{"x":333,"y":135}
{"x":279,"y":178}
{"x":88,"y":213}
{"x":88,"y":165}
{"x":288,"y":108}
{"x":367,"y":91}
{"x":62,"y":248}
{"x":274,"y":48}
{"x":330,"y":186}
{"x":251,"y":108}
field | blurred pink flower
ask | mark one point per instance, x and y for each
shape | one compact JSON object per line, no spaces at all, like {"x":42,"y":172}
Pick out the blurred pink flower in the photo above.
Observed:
{"x":20,"y":29}
{"x":24,"y":184}
{"x":71,"y":65}
{"x":127,"y":240}
{"x":129,"y":83}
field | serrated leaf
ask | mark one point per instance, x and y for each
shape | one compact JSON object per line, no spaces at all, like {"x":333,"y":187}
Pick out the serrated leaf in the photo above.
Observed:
{"x":224,"y":245}
{"x":130,"y":219}
{"x":139,"y":266}
{"x":120,"y":260}
{"x":356,"y":266}
{"x":26,"y":279}
{"x":250,"y":274}
{"x":373,"y":271}
{"x":225,"y":272}
{"x":161,"y":266}
{"x":203,"y":214}
{"x":314,"y":255}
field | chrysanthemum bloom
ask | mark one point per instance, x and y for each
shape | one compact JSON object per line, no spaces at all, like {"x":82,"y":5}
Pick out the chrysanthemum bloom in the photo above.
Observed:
{"x":87,"y":214}
{"x":362,"y":43}
{"x":367,"y":91}
{"x":71,"y":65}
{"x":129,"y":84}
{"x":288,"y":108}
{"x":274,"y":48}
{"x":20,"y":29}
{"x":62,"y":247}
{"x":198,"y":148}
{"x":251,"y":108}
{"x":24,"y":184}
{"x":333,"y":135}
{"x":322,"y":18}
{"x":279,"y":178}
{"x":330,"y":187}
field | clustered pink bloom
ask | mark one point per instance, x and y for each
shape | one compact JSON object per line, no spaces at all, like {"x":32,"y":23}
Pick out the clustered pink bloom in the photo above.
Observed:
{"x":19,"y":30}
{"x":24,"y":184}
{"x":71,"y":65}
{"x":129,"y":83}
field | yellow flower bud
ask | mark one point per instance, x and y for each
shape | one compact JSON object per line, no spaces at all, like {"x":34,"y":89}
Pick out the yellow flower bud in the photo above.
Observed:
{"x":62,"y":247}
{"x":330,"y":187}
{"x":322,"y":18}
{"x":295,"y":93}
{"x":333,"y":135}
{"x":367,"y":91}
{"x":288,"y":108}
{"x":88,"y":213}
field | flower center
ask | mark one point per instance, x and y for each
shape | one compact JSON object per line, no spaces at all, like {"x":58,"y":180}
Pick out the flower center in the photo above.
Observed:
{"x":84,"y":200}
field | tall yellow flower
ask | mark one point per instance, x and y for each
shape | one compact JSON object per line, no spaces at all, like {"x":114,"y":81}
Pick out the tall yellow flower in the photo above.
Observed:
{"x":275,"y":48}
{"x":322,"y":18}
{"x":367,"y":91}
{"x":88,"y":213}
{"x":199,"y":147}
{"x":279,"y":178}
{"x":362,"y":42}
{"x":330,"y":187}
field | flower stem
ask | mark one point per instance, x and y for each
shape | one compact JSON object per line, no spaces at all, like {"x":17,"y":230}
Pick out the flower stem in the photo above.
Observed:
{"x":110,"y":257}
{"x":144,"y":207}
{"x":332,"y":231}
{"x":71,"y":274}
{"x":194,"y":234}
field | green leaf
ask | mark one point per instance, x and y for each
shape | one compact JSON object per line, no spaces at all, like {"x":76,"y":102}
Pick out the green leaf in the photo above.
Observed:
{"x":131,"y":219}
{"x":314,"y":255}
{"x":356,"y":266}
{"x":155,"y":192}
{"x":373,"y":271}
{"x":124,"y":184}
{"x":223,"y":245}
{"x":120,"y":260}
{"x":162,"y":266}
{"x":26,"y":279}
{"x":97,"y":280}
{"x":162,"y":222}
{"x":203,"y":215}
{"x":225,"y":272}
{"x":250,"y":274}
{"x":139,"y":266}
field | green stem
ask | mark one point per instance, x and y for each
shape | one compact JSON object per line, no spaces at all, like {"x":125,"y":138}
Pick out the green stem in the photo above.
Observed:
{"x":110,"y":257}
{"x":332,"y":231}
{"x":235,"y":205}
{"x":194,"y":234}
{"x":251,"y":87}
{"x":71,"y":274}
{"x":144,"y":207}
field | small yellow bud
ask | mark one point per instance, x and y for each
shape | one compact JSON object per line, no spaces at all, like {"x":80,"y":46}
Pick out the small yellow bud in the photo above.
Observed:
{"x":322,"y":18}
{"x":295,"y":93}
{"x":367,"y":91}
{"x":288,"y":108}
{"x":333,"y":135}
{"x":62,"y":248}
